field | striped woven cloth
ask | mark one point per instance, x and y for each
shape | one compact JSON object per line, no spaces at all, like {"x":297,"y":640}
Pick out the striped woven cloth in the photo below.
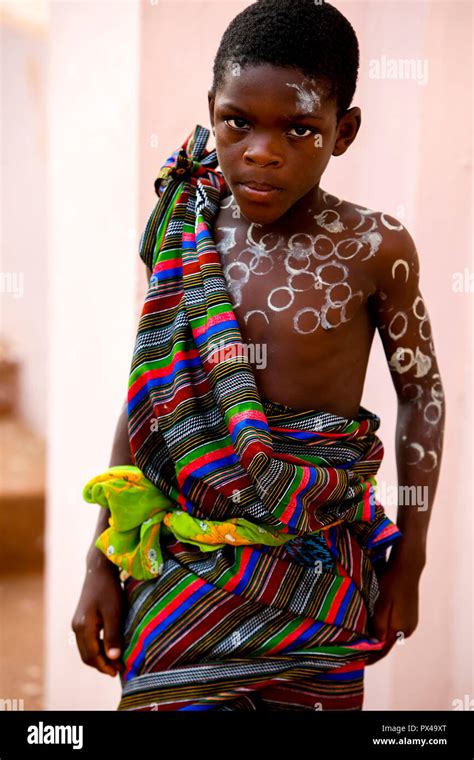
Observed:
{"x":216,"y":624}
{"x":140,"y":513}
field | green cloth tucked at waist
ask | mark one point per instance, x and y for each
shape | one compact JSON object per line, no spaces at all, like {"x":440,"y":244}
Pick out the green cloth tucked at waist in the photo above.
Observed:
{"x":139,"y":511}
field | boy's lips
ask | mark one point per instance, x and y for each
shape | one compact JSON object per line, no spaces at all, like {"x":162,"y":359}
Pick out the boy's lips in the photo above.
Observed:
{"x":258,"y":185}
{"x":258,"y":191}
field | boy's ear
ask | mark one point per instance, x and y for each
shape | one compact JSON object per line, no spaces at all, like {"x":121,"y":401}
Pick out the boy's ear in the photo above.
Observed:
{"x":348,"y":127}
{"x":211,"y":100}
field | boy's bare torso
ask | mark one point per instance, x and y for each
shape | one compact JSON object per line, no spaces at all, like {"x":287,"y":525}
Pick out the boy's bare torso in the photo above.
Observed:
{"x":305,"y":294}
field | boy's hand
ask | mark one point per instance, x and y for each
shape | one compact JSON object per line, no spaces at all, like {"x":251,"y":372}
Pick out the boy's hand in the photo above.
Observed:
{"x":100,"y":608}
{"x":396,"y":609}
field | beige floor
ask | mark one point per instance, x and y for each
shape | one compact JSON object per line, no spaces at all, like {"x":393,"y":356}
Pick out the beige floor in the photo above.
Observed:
{"x":21,"y":641}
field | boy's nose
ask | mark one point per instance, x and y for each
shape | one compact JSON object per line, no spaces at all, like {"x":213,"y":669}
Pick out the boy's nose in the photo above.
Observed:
{"x":262,"y":158}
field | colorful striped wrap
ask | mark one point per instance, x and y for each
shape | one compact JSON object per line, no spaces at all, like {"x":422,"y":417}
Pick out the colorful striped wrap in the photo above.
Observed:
{"x":237,"y":617}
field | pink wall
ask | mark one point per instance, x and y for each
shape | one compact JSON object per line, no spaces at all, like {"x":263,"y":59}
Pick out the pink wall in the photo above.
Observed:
{"x":24,"y":209}
{"x":93,"y":118}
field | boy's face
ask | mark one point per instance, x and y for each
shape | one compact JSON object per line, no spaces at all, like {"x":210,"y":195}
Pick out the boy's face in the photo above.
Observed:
{"x":274,"y":126}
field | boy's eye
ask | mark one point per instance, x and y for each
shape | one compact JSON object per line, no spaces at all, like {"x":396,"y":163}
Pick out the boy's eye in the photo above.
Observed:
{"x":243,"y":122}
{"x":305,"y":129}
{"x":235,"y":118}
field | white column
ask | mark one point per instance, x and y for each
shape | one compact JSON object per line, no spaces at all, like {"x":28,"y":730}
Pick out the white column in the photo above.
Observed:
{"x":93,"y":145}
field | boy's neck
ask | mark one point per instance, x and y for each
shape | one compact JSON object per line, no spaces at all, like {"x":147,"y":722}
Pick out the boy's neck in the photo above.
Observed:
{"x":301,"y":213}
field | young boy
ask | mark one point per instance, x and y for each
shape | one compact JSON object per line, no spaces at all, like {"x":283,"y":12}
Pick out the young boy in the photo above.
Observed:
{"x":241,"y":487}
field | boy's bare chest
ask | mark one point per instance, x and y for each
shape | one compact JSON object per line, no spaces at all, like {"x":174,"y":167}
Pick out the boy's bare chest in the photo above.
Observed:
{"x":286,"y":286}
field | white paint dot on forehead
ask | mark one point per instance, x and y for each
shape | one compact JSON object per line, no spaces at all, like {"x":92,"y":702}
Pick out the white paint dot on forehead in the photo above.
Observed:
{"x":308,"y":99}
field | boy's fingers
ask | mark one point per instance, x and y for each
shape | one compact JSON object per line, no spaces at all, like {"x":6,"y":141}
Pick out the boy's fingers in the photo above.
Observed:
{"x":376,"y":656}
{"x":86,"y":640}
{"x":112,"y":642}
{"x":112,"y":638}
{"x":91,"y":647}
{"x":390,"y":641}
{"x":103,"y":662}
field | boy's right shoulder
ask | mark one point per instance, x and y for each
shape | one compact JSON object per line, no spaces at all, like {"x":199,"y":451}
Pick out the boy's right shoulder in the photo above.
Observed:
{"x":391,"y":243}
{"x":394,"y":237}
{"x":357,"y":216}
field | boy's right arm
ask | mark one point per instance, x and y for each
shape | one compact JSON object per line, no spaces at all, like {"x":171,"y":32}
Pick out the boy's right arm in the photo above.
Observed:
{"x":98,"y":617}
{"x":102,"y":603}
{"x":121,"y":454}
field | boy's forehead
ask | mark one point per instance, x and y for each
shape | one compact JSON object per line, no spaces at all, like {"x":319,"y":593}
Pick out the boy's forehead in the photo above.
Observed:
{"x":287,"y":86}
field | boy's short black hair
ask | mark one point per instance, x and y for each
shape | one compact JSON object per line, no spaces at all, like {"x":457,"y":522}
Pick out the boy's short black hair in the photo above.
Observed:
{"x":311,"y":36}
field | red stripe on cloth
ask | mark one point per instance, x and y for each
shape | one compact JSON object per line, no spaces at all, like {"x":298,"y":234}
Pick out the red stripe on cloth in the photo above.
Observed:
{"x":337,"y":601}
{"x":164,"y":613}
{"x":293,"y":502}
{"x":293,"y":636}
{"x":149,"y":374}
{"x":209,"y":456}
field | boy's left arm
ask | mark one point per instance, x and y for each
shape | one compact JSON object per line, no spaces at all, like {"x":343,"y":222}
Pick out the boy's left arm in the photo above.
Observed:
{"x":401,"y":317}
